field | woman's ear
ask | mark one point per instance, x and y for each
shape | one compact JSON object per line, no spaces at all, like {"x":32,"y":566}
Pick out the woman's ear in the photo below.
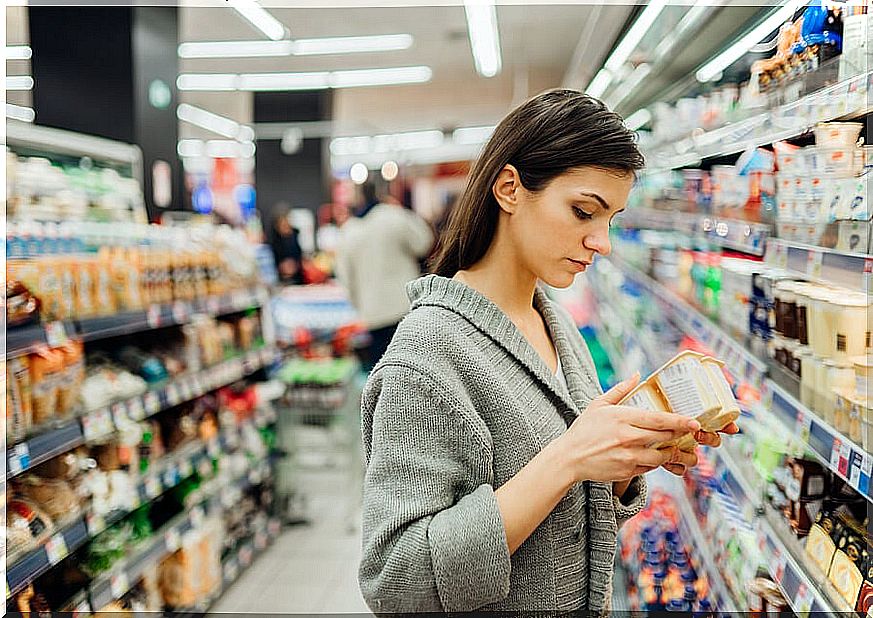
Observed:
{"x":506,"y":189}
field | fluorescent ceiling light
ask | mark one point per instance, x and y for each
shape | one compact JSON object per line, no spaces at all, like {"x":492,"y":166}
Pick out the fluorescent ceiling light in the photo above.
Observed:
{"x":207,"y":120}
{"x":207,"y":81}
{"x":366,"y":144}
{"x":190,"y":148}
{"x":260,"y":18}
{"x":352,"y":44}
{"x":599,"y":84}
{"x":484,"y":36}
{"x":472,"y":135}
{"x":714,"y":67}
{"x":19,"y":82}
{"x":284,"y":81}
{"x":638,"y":119}
{"x":18,"y":52}
{"x":626,"y":87}
{"x":634,"y":35}
{"x":380,"y":77}
{"x":17,"y":112}
{"x":305,"y":81}
{"x":235,"y":49}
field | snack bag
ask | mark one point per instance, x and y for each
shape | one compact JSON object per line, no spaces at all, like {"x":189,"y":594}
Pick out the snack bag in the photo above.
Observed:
{"x":45,"y":374}
{"x":692,"y":385}
{"x":19,"y":406}
{"x":83,"y":276}
{"x":71,"y":377}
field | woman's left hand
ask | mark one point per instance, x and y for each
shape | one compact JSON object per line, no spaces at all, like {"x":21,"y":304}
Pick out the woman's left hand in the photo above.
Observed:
{"x":681,"y":461}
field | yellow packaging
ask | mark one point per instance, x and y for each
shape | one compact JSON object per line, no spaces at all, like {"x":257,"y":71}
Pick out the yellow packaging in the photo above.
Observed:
{"x":49,"y":287}
{"x":19,"y":406}
{"x":125,"y":280}
{"x":820,"y":547}
{"x":846,"y":577}
{"x":692,"y":385}
{"x":66,"y":287}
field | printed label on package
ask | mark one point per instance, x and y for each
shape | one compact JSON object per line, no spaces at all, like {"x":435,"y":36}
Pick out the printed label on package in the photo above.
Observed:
{"x":679,"y":384}
{"x":56,"y":549}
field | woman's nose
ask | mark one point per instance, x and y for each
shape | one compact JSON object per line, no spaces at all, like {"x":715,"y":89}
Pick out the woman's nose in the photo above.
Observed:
{"x":599,"y":243}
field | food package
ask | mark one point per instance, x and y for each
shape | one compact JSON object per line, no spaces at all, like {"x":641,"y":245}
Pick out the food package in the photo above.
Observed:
{"x":85,"y":285}
{"x":101,"y":269}
{"x":193,"y":572}
{"x":55,"y":496}
{"x":19,"y":404}
{"x":22,"y":307}
{"x":850,"y":564}
{"x":692,"y":385}
{"x":72,"y":376}
{"x":45,"y":375}
{"x":66,"y":287}
{"x":26,"y":526}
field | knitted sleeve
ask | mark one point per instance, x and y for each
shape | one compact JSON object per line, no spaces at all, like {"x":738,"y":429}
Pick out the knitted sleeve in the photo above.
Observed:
{"x":433,"y":536}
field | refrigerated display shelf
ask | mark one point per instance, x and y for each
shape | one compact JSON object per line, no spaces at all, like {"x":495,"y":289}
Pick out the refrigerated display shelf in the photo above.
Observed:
{"x":745,"y":236}
{"x":826,"y":266}
{"x":26,"y":339}
{"x":99,"y":424}
{"x":118,"y":581}
{"x":742,"y":363}
{"x":804,"y":587}
{"x":834,"y":450}
{"x":689,"y":528}
{"x":846,"y":100}
{"x":165,"y":476}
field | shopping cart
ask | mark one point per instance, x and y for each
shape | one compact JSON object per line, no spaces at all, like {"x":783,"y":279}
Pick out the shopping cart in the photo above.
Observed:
{"x":319,"y":433}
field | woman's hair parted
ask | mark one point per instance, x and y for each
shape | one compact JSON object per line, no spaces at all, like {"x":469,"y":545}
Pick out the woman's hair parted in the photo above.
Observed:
{"x":546,"y":136}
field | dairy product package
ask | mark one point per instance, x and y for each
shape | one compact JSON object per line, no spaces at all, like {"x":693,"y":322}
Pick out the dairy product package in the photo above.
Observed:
{"x":692,"y":385}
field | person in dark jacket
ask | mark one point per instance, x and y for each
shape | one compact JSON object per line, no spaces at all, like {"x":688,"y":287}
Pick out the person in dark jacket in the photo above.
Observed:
{"x":286,"y":250}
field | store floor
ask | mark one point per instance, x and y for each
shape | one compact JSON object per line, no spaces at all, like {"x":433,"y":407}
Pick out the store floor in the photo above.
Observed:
{"x":311,"y":568}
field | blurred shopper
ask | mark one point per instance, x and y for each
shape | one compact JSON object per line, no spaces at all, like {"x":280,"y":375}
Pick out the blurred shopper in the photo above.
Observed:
{"x":497,"y":472}
{"x":286,"y":249}
{"x":377,"y":255}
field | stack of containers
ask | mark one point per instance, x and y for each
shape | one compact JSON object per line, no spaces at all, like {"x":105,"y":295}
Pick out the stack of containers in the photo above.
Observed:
{"x":822,"y":333}
{"x":823,"y":183}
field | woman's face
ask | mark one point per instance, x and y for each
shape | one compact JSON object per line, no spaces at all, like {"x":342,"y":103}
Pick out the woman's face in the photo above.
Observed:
{"x":557,"y":232}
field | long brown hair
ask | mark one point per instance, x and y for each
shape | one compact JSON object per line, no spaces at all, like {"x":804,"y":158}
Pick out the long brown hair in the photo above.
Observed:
{"x":550,"y":134}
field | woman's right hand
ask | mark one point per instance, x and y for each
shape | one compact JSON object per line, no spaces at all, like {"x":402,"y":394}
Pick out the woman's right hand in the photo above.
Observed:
{"x":610,"y":442}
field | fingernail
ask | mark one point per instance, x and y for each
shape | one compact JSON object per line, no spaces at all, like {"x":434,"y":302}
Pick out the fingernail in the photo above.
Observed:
{"x":693,"y":425}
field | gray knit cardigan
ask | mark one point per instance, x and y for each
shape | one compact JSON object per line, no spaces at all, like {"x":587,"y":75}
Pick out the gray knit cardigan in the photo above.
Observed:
{"x":456,"y":407}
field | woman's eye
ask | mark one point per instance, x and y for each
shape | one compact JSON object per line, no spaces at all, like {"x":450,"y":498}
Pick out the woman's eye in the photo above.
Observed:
{"x":581,"y":214}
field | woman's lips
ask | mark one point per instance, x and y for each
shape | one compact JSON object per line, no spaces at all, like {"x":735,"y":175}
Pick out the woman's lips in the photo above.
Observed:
{"x":579,"y":266}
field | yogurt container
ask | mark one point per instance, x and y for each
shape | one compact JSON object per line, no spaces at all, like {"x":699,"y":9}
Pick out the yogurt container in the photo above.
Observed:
{"x":862,"y":365}
{"x":692,"y":385}
{"x":840,"y":380}
{"x":807,"y":377}
{"x":850,"y":334}
{"x":837,"y":133}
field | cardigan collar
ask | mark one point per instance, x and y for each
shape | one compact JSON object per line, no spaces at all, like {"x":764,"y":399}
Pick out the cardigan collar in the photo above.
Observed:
{"x":433,"y":290}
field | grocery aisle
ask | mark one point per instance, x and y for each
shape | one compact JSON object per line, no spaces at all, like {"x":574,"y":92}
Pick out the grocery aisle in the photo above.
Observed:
{"x":311,"y":568}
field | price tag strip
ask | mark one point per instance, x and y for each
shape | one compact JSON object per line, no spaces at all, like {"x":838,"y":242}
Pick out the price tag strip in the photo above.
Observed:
{"x":56,"y":548}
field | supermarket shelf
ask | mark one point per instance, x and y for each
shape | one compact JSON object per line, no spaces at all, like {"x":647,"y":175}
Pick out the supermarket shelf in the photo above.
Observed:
{"x":165,"y":476}
{"x":745,"y":236}
{"x":99,"y":424}
{"x":742,"y":363}
{"x":690,"y":529}
{"x":56,"y":548}
{"x":787,"y":562}
{"x":835,"y":451}
{"x":24,"y":340}
{"x":119,"y":580}
{"x":825,"y":266}
{"x":844,"y":101}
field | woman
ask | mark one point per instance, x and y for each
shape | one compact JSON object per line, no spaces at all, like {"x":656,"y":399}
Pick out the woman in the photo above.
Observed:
{"x":497,"y":473}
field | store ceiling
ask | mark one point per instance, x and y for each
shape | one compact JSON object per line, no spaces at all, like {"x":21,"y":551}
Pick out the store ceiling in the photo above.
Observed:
{"x":538,"y":44}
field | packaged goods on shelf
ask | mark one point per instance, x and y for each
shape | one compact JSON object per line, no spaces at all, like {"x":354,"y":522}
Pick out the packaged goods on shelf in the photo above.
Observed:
{"x":41,"y":190}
